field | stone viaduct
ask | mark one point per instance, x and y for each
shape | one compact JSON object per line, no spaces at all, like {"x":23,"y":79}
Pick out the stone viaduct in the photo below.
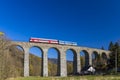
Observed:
{"x":61,"y":56}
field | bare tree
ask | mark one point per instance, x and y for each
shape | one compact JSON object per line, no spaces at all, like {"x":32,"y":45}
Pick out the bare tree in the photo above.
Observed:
{"x":4,"y":60}
{"x":3,"y":46}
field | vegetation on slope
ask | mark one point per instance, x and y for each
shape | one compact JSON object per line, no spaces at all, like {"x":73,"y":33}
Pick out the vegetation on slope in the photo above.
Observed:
{"x":12,"y":62}
{"x":69,"y":78}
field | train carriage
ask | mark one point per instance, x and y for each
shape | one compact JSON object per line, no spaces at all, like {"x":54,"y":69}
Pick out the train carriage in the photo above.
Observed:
{"x":44,"y":40}
{"x":52,"y":41}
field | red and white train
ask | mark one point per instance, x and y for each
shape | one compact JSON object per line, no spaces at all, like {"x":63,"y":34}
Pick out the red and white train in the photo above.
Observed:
{"x":43,"y":40}
{"x":52,"y":41}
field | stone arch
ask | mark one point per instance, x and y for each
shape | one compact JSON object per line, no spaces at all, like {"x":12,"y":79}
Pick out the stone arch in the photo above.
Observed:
{"x":15,"y":45}
{"x":85,"y":54}
{"x":95,"y":56}
{"x":55,"y":49}
{"x":74,"y":62}
{"x":104,"y":56}
{"x":104,"y":59}
{"x":95,"y":53}
{"x":16,"y":53}
{"x":55,"y":62}
{"x":36,"y":61}
{"x":36,"y":47}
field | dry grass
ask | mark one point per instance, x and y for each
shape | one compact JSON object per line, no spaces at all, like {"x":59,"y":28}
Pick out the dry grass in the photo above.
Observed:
{"x":69,"y":78}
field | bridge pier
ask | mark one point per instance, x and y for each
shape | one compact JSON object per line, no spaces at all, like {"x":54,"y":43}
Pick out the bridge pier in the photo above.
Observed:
{"x":45,"y":63}
{"x":26,"y":62}
{"x":78,"y":63}
{"x":75,"y":63}
{"x":63,"y":66}
{"x":90,"y":58}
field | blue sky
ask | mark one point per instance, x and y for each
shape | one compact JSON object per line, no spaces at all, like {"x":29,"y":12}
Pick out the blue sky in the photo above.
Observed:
{"x":90,"y":23}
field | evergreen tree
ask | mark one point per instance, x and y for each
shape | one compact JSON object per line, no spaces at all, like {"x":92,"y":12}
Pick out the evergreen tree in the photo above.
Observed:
{"x":100,"y":64}
{"x":118,"y":56}
{"x":102,"y":48}
{"x":115,"y":50}
{"x":116,"y":45}
{"x":118,"y":42}
{"x":111,"y":46}
{"x":111,"y":61}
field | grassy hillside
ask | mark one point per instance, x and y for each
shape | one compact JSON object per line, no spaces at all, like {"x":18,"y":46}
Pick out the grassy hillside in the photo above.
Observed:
{"x":14,"y":64}
{"x":35,"y":63}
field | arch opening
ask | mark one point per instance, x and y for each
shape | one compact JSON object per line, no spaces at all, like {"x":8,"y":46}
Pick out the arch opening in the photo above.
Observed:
{"x":84,"y":60}
{"x":104,"y":58}
{"x":71,"y":59}
{"x":95,"y":56}
{"x":53,"y":62}
{"x":15,"y":59}
{"x":35,"y":61}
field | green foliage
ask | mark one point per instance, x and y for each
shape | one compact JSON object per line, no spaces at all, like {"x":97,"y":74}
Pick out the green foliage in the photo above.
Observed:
{"x":111,"y":46}
{"x":99,"y":63}
{"x":115,"y":49}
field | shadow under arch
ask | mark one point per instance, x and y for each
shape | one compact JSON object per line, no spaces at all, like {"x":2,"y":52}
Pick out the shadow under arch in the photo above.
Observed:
{"x":71,"y":60}
{"x":53,"y":61}
{"x":85,"y":62}
{"x":95,"y":56}
{"x":35,"y":61}
{"x":16,"y":46}
{"x":104,"y":56}
{"x":16,"y":59}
